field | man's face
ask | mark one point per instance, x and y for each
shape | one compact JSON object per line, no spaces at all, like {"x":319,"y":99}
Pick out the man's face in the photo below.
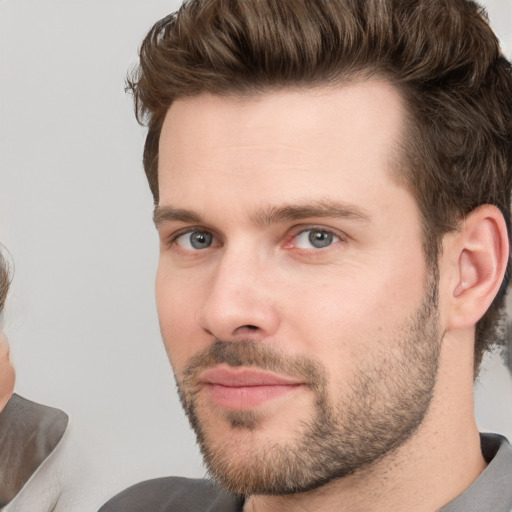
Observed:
{"x":294,"y":299}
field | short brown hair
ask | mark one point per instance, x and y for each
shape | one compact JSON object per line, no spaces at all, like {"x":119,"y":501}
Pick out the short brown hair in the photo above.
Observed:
{"x":441,"y":54}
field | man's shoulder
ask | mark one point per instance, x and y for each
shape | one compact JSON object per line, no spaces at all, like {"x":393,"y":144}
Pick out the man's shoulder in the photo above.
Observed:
{"x":492,"y":490}
{"x":174,"y":494}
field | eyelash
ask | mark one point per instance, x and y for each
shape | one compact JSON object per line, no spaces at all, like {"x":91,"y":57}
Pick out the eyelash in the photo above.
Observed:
{"x":172,"y":240}
{"x":294,"y":234}
{"x":305,"y":229}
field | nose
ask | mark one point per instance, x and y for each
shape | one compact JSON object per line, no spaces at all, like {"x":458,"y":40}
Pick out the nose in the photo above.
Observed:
{"x":239,"y":303}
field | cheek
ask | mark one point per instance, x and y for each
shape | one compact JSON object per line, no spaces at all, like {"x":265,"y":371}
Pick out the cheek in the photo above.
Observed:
{"x":346,"y":320}
{"x":7,"y":374}
{"x":177,"y":302}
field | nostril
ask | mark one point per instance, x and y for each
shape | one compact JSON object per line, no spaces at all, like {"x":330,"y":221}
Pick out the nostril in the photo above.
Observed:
{"x":246,"y":330}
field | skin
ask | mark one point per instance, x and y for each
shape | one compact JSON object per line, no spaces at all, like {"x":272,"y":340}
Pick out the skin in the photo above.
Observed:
{"x":343,"y":305}
{"x":7,"y":374}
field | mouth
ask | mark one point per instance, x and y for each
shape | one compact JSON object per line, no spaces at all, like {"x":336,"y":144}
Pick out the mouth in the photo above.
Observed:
{"x":245,"y":388}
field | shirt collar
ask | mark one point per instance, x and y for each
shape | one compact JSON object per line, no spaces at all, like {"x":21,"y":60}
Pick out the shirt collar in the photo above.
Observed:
{"x":492,"y":490}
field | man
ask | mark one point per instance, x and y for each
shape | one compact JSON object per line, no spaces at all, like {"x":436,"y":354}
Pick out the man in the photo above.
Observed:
{"x":332,"y":185}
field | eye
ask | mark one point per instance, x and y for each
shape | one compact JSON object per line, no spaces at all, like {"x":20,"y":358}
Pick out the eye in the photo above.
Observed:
{"x":194,"y":240}
{"x":315,"y":238}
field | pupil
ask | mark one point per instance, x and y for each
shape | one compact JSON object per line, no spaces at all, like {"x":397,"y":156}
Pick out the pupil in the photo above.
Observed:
{"x":200,"y":240}
{"x":320,"y":239}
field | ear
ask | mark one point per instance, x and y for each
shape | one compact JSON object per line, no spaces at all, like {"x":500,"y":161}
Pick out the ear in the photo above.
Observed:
{"x":479,"y":253}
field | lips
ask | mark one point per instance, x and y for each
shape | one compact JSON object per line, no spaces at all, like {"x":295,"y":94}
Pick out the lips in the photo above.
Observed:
{"x":245,"y":388}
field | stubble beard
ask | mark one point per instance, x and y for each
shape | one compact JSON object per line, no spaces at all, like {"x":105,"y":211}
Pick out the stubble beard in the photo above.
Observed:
{"x":386,"y":403}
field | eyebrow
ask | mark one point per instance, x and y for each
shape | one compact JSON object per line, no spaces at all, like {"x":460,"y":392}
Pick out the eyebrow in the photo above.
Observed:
{"x":301,"y":211}
{"x":272,"y":215}
{"x":163,"y":214}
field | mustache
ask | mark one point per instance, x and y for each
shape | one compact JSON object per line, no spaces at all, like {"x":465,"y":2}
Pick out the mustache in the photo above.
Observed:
{"x":251,"y":353}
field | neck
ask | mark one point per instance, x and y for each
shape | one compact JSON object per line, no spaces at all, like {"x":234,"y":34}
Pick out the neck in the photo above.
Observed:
{"x":439,"y":462}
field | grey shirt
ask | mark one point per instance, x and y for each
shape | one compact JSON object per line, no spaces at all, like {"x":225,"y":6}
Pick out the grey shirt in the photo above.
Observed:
{"x":29,"y":432}
{"x":491,"y":492}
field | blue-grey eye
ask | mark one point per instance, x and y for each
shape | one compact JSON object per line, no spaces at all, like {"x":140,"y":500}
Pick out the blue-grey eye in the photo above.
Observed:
{"x":320,"y":239}
{"x":195,"y":240}
{"x":315,"y":238}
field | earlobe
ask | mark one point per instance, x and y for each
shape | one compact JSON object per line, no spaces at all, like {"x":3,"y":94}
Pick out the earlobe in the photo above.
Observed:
{"x":482,"y":252}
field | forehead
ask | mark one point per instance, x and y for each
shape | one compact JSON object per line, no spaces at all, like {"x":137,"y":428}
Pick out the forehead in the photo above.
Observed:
{"x":282,"y":144}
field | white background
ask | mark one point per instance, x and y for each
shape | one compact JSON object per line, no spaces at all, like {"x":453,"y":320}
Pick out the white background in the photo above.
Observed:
{"x":75,"y":213}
